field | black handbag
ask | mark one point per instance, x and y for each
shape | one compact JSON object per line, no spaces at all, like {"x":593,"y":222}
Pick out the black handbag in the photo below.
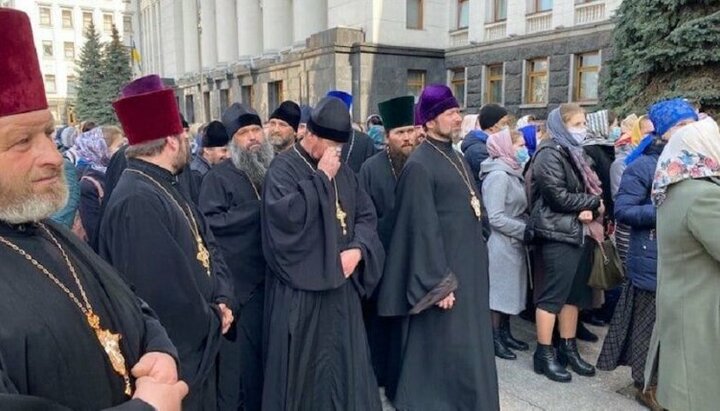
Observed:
{"x":607,"y":270}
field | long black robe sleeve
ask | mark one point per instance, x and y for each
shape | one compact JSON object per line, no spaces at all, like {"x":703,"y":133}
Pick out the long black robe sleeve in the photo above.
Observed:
{"x":367,"y":240}
{"x":224,"y":216}
{"x":417,"y":274}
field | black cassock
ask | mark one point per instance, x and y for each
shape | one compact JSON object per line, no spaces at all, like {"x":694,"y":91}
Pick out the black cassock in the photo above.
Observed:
{"x":231,"y":206}
{"x":448,"y":359}
{"x":148,"y":239}
{"x":50,"y":358}
{"x":378,"y":180}
{"x":357,"y":150}
{"x":317,"y":352}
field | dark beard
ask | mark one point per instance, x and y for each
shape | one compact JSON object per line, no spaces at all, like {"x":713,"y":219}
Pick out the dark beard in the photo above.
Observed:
{"x":397,"y":160}
{"x":254,"y":164}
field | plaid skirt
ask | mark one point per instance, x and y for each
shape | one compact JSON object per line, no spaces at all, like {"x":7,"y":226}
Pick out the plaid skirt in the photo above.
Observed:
{"x":628,"y":338}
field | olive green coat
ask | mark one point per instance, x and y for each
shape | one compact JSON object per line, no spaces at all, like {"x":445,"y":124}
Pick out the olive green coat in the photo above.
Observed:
{"x":686,"y":338}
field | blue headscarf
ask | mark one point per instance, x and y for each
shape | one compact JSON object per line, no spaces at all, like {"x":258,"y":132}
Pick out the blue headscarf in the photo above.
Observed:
{"x":530,"y":135}
{"x":666,"y":114}
{"x":640,"y":149}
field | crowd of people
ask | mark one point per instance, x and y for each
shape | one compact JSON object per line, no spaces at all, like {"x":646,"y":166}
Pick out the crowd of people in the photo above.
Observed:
{"x":298,"y":263}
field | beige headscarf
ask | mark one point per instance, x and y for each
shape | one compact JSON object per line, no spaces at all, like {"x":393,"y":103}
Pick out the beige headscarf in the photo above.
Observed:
{"x":469,"y":124}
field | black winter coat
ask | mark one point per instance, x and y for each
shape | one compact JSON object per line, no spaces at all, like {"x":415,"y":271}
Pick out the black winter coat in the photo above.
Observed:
{"x":558,"y":195}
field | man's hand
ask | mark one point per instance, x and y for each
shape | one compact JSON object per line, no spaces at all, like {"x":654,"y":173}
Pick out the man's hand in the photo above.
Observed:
{"x":159,"y":366}
{"x":447,"y":302}
{"x":601,"y":210}
{"x":585,"y":217}
{"x":330,"y":161}
{"x":227,"y":317}
{"x":350,"y":259}
{"x":163,"y":397}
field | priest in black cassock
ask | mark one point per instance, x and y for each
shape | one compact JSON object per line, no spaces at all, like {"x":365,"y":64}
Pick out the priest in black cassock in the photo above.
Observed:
{"x":378,"y":176}
{"x":283,"y":125}
{"x":359,"y":146}
{"x":154,"y":235}
{"x":323,"y":254}
{"x":212,"y":151}
{"x":436,"y":273}
{"x":73,"y":336}
{"x":230,"y":201}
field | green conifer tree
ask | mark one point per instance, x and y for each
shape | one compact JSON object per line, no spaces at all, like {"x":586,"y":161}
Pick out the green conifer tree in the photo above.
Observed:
{"x":663,"y":49}
{"x":90,"y":99}
{"x":118,"y":72}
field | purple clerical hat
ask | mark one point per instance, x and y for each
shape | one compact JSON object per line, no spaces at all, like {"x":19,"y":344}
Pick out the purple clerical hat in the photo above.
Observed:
{"x":434,"y":100}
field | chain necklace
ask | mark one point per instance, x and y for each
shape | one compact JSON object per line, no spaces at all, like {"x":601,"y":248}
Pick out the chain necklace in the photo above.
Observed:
{"x":257,"y":193}
{"x":203,"y":255}
{"x":340,"y":214}
{"x":109,"y":341}
{"x":474,"y":201}
{"x":392,"y":166}
{"x":352,"y":145}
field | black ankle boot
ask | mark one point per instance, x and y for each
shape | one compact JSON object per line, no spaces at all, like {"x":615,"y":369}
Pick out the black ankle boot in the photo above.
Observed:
{"x":568,"y":354}
{"x":544,"y":362}
{"x":501,"y":351}
{"x":508,"y":338}
{"x":583,"y":334}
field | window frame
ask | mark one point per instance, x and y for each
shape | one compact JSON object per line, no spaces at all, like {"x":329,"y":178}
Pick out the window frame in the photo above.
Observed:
{"x":535,"y":7}
{"x":421,"y":15}
{"x":495,"y":8}
{"x":127,"y":28}
{"x":412,"y":83}
{"x":71,"y":79}
{"x":488,"y":82}
{"x":454,"y":82}
{"x":65,"y":50}
{"x":112,"y":22}
{"x":49,"y":16}
{"x":86,"y":24}
{"x":46,"y":80}
{"x":71,"y":24}
{"x":46,"y":43}
{"x":460,"y":4}
{"x":248,"y":91}
{"x":579,"y":70}
{"x":277,"y":92}
{"x":530,"y":76}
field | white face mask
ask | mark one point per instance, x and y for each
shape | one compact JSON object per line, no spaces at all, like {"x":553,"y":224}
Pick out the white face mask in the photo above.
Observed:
{"x":578,"y":133}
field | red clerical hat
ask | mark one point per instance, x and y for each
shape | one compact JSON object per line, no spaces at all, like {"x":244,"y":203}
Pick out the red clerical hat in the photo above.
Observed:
{"x":22,"y":89}
{"x":147,"y":110}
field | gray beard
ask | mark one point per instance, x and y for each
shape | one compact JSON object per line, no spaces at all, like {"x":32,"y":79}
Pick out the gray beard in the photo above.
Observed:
{"x":254,"y":164}
{"x":35,"y":208}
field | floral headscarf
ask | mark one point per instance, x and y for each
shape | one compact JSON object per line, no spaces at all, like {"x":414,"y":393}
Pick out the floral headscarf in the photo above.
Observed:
{"x":693,"y":152}
{"x":500,"y":146}
{"x":93,"y":150}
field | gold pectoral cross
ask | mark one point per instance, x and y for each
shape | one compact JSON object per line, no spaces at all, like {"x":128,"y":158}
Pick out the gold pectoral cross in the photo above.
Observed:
{"x":475,"y":204}
{"x":341,"y":216}
{"x":203,"y":255}
{"x":111,"y":344}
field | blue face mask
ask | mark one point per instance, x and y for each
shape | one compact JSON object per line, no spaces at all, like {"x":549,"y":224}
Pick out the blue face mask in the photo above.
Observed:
{"x":522,"y":156}
{"x":615,"y":134}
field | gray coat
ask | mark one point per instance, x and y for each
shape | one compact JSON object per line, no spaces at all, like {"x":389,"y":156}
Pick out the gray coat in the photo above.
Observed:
{"x":503,"y":192}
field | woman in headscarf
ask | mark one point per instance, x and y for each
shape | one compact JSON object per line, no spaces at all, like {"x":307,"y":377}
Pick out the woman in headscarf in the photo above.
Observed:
{"x":93,"y":159}
{"x":503,"y":193}
{"x":686,"y":191}
{"x":566,"y":209}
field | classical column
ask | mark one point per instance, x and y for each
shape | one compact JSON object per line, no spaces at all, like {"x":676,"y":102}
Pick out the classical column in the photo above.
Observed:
{"x":310,"y":16}
{"x":190,"y":35}
{"x":208,"y":38}
{"x":277,"y":24}
{"x":250,"y":28}
{"x":227,"y":31}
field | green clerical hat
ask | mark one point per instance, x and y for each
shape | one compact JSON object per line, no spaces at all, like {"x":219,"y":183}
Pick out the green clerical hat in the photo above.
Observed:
{"x":398,"y":112}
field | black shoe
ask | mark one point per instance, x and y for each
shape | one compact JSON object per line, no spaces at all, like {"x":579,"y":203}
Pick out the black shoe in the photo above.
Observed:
{"x":568,"y":354}
{"x":544,"y":362}
{"x":501,"y":351}
{"x":583,"y":334}
{"x":508,"y":338}
{"x":591,"y":318}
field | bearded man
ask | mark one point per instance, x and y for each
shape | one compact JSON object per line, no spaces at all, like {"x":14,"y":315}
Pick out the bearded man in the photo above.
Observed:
{"x":213,"y":150}
{"x":160,"y":242}
{"x":282,"y":127}
{"x":72,"y":334}
{"x":436,"y":273}
{"x":230,"y":200}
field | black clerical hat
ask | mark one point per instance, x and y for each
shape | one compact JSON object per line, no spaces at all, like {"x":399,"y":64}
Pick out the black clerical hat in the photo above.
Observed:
{"x":397,"y":112}
{"x":330,"y":120}
{"x":238,"y":116}
{"x":215,"y":135}
{"x":289,"y":112}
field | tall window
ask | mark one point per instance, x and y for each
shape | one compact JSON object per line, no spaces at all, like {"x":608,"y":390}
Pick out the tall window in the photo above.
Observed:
{"x":494,"y":83}
{"x":457,"y":83}
{"x":189,"y":108}
{"x":50,"y":84}
{"x":71,"y":85}
{"x":206,"y":98}
{"x":224,"y":100}
{"x":69,"y":50}
{"x":67,"y":19}
{"x":127,"y":24}
{"x":47,"y":46}
{"x":587,"y":74}
{"x":536,"y":81}
{"x":45,"y":17}
{"x":108,"y":23}
{"x":247,"y":95}
{"x":499,"y":10}
{"x":538,"y":6}
{"x":463,"y":19}
{"x":414,"y":14}
{"x":274,"y":94}
{"x":87,"y":19}
{"x":415,"y":82}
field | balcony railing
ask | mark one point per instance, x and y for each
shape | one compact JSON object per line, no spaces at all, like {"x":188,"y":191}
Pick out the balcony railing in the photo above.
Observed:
{"x":495,"y":31}
{"x":589,"y":12}
{"x":459,"y":38}
{"x":538,"y":22}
